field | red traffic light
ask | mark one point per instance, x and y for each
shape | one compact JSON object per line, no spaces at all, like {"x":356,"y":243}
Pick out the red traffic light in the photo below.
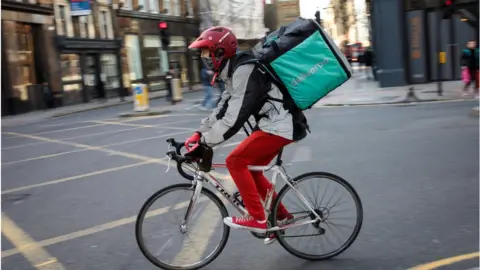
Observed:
{"x":448,"y":2}
{"x":163,"y":25}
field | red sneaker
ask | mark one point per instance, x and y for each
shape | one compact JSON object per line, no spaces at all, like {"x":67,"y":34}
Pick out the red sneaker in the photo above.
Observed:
{"x":282,"y":220}
{"x":246,"y":222}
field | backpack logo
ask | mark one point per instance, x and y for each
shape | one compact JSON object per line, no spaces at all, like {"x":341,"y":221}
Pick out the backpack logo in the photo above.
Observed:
{"x":304,"y":75}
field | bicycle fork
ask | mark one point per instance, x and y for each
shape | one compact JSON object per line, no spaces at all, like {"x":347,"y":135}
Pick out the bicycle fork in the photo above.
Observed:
{"x":197,"y":183}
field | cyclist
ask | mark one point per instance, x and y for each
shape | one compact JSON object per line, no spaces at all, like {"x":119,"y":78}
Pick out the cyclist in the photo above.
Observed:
{"x":245,"y":95}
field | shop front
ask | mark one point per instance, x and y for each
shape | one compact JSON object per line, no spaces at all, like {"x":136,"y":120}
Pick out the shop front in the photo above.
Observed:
{"x":90,"y":69}
{"x":27,"y":54}
{"x":147,"y":61}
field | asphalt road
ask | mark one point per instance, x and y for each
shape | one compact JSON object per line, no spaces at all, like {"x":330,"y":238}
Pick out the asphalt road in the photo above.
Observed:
{"x":73,"y":186}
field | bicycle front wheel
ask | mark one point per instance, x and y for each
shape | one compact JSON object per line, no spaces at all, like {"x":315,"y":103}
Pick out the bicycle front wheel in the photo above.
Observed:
{"x":167,"y":242}
{"x":326,"y":203}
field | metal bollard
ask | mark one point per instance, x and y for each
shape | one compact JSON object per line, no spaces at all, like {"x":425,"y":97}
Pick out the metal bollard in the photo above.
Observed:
{"x":176,"y":90}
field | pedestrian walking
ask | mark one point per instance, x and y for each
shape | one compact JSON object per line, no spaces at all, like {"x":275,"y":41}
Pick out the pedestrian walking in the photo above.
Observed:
{"x":207,"y":103}
{"x":368,"y":61}
{"x":469,"y":60}
{"x":168,"y":81}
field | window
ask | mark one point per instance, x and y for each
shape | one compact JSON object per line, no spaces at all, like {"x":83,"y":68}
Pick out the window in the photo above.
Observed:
{"x":189,"y":8}
{"x":70,"y":67}
{"x":127,"y":5}
{"x":133,"y":56}
{"x":156,"y":59}
{"x":63,"y":20}
{"x":18,"y":44}
{"x":103,"y":24}
{"x":83,"y":21}
{"x":142,"y":5}
{"x":175,"y":8}
{"x":153,"y":6}
{"x":109,"y":72}
{"x":80,"y":26}
{"x":166,"y":6}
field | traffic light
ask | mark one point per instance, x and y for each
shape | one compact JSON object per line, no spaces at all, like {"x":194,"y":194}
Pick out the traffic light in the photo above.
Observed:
{"x":448,"y":8}
{"x":164,"y":35}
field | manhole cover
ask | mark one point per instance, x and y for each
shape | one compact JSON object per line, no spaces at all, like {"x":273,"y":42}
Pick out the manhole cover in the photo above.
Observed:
{"x":430,"y":91}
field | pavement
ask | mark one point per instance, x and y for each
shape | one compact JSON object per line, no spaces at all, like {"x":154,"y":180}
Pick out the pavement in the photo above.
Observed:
{"x":360,"y":90}
{"x":72,"y":187}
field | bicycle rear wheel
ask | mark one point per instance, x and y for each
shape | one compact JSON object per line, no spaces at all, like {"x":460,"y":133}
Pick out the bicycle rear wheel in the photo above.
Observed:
{"x":323,"y":205}
{"x":187,"y":254}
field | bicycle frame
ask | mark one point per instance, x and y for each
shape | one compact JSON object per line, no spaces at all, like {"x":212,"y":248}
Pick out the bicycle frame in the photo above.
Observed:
{"x":278,"y":171}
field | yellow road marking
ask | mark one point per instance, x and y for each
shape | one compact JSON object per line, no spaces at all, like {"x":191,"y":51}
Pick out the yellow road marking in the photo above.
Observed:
{"x":191,"y":253}
{"x":85,"y":149}
{"x":66,"y":129}
{"x":74,"y":177}
{"x":122,"y":124}
{"x":31,"y":250}
{"x":179,"y":128}
{"x":205,"y":217}
{"x":96,"y":229}
{"x":75,"y":137}
{"x":447,"y":261}
{"x":43,"y":157}
{"x":109,"y":151}
{"x":162,"y":116}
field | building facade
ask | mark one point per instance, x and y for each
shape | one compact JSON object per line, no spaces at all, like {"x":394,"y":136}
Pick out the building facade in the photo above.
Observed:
{"x":415,"y":40}
{"x":145,"y":60}
{"x":88,"y":51}
{"x":28,"y":54}
{"x":280,"y":12}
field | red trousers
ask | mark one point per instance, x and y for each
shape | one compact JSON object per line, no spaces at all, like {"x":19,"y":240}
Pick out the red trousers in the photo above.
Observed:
{"x":257,"y":149}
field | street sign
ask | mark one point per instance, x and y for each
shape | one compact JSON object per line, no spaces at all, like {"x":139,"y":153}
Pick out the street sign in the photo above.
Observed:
{"x":442,"y":57}
{"x":140,"y":101}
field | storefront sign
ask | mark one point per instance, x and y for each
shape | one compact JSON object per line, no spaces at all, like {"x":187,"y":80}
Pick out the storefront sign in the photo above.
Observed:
{"x":416,"y":38}
{"x":80,"y":7}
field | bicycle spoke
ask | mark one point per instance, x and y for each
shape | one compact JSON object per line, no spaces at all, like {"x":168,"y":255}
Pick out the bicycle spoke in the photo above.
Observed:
{"x":179,"y":247}
{"x":298,"y":240}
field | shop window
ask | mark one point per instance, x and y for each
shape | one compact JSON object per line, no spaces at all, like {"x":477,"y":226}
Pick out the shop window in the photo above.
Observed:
{"x":71,"y":78}
{"x":156,"y":59}
{"x":132,"y":46}
{"x":70,"y":67}
{"x":109,"y":73}
{"x":18,"y":44}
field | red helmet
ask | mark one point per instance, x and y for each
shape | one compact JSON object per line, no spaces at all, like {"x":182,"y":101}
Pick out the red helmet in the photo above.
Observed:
{"x":220,"y":41}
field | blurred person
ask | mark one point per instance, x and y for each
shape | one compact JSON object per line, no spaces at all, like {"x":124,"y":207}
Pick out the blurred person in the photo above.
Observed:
{"x":276,"y":127}
{"x":469,"y":62}
{"x":168,"y":81}
{"x":207,"y":103}
{"x":367,"y":61}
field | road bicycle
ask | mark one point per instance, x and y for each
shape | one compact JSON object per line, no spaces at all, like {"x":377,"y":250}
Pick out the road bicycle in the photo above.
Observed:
{"x":313,"y":216}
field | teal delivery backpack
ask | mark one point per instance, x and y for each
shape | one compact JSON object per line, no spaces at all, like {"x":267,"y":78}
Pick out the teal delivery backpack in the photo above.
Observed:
{"x":303,"y":61}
